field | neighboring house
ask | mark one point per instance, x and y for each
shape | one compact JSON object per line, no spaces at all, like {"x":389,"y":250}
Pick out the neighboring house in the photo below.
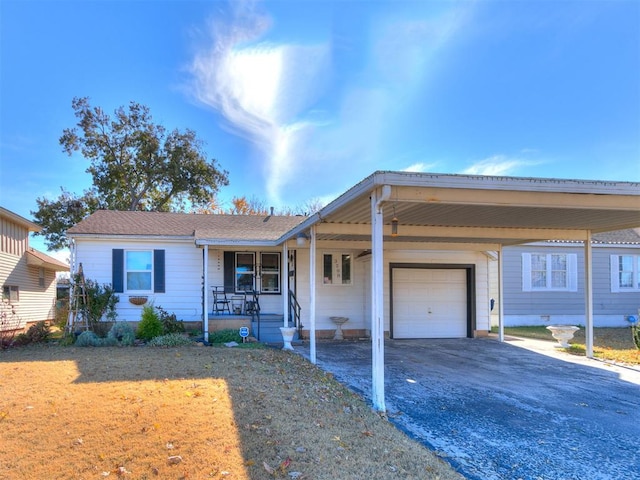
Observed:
{"x":544,"y":281}
{"x":27,"y":276}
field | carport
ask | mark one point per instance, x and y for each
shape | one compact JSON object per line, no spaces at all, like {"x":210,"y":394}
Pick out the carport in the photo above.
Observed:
{"x":481,"y":213}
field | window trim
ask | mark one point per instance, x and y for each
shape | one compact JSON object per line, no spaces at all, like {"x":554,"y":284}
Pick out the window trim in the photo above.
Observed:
{"x":13,"y":290}
{"x":571,"y":272}
{"x":150,"y":271}
{"x":277,"y":271}
{"x":337,"y":269}
{"x":615,"y":273}
{"x":252,"y":271}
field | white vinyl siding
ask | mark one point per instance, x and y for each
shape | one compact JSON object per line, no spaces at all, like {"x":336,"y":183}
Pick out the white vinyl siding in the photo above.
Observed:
{"x":549,"y":272}
{"x":183,"y":268}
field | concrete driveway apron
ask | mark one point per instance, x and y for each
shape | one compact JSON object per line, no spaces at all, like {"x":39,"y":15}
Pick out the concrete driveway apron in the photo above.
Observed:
{"x":513,"y":410}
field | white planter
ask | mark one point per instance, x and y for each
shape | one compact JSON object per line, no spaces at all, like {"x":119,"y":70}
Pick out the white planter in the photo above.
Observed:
{"x":563,"y":333}
{"x":287,"y":336}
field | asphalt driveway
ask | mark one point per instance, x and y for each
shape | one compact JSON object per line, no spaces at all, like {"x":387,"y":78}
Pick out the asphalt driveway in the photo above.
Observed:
{"x":513,"y":410}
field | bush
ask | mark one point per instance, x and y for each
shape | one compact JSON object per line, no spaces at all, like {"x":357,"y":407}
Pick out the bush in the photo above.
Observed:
{"x":88,"y":339}
{"x":150,"y":325}
{"x":635,"y":332}
{"x":101,"y":301}
{"x":169,"y":340}
{"x":122,"y":334}
{"x":225,"y":336}
{"x":170,"y":323}
{"x":62,"y":313}
{"x":37,"y":333}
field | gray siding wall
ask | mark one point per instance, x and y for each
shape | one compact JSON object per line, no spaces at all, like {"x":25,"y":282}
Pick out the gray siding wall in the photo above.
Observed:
{"x":518,"y":303}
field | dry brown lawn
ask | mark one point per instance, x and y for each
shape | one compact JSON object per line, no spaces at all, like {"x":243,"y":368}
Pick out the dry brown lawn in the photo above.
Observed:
{"x":191,"y":413}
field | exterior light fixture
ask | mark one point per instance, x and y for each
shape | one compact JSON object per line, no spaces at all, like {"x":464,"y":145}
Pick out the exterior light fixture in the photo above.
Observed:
{"x":301,"y":239}
{"x":394,"y":223}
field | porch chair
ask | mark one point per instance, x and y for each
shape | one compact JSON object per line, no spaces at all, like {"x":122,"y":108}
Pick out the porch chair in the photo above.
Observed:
{"x":220,"y":301}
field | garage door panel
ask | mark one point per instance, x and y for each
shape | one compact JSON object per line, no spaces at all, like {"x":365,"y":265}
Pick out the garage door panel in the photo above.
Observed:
{"x":429,"y":303}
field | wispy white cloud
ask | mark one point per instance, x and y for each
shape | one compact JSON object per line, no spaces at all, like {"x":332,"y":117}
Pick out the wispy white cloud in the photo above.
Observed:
{"x":261,"y":88}
{"x":498,"y":165}
{"x":420,"y":167}
{"x":268,"y":93}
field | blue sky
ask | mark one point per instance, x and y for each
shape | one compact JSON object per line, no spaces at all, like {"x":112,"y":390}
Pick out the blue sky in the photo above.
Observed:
{"x":303,"y":99}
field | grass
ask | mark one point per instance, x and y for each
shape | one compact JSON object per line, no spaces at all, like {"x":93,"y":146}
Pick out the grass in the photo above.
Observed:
{"x":192,"y":413}
{"x":611,"y":344}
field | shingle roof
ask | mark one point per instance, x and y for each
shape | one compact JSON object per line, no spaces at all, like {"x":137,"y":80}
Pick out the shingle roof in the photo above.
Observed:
{"x":197,"y":226}
{"x":629,"y":236}
{"x":37,"y":258}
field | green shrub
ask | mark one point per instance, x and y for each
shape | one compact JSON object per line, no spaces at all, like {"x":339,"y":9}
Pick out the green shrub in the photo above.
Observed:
{"x":169,"y":340}
{"x":88,"y":339}
{"x":122,"y":334}
{"x":101,"y":301}
{"x":225,"y":336}
{"x":170,"y":323}
{"x":150,"y":325}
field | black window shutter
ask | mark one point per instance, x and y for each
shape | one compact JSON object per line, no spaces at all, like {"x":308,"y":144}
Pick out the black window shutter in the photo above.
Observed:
{"x":158,"y":271}
{"x":229,"y":272}
{"x":117,"y":270}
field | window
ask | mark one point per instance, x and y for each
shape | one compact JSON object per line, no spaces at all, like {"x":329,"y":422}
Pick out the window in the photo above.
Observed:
{"x":139,"y":270}
{"x":549,"y":272}
{"x":625,"y":273}
{"x":270,"y":272}
{"x":245,"y":272}
{"x":41,"y":277}
{"x":10,"y":293}
{"x":336,"y":268}
{"x":249,"y":271}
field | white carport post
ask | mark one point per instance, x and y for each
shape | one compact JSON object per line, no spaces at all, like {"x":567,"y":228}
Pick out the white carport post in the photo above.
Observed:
{"x":205,"y":289}
{"x":500,"y":293}
{"x":312,"y":295}
{"x":377,"y":299}
{"x":588,"y":296}
{"x":285,"y":284}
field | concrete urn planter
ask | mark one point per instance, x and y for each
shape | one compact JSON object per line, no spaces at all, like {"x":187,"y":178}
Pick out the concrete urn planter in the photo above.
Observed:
{"x":563,"y":333}
{"x":287,"y":336}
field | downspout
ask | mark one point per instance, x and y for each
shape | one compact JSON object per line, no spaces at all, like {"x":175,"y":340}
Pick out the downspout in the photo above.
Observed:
{"x":377,"y":297}
{"x":205,"y":289}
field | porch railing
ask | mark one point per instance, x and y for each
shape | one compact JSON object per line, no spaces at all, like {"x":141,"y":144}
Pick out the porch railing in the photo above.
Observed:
{"x":294,"y":312}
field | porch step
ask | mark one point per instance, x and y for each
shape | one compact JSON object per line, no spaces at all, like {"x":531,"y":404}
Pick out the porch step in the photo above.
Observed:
{"x":270,"y":329}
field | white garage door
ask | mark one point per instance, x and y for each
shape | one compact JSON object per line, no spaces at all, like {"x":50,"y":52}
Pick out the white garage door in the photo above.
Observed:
{"x":429,"y":303}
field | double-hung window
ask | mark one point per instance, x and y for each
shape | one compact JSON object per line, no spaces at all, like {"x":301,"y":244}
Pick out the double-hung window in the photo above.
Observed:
{"x":245,"y":272}
{"x":336,"y":268}
{"x":270,"y":272}
{"x":549,"y":272}
{"x":625,"y":273}
{"x":139,"y":270}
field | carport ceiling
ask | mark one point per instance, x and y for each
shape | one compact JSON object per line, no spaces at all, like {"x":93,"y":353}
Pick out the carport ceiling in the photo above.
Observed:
{"x":471,"y":209}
